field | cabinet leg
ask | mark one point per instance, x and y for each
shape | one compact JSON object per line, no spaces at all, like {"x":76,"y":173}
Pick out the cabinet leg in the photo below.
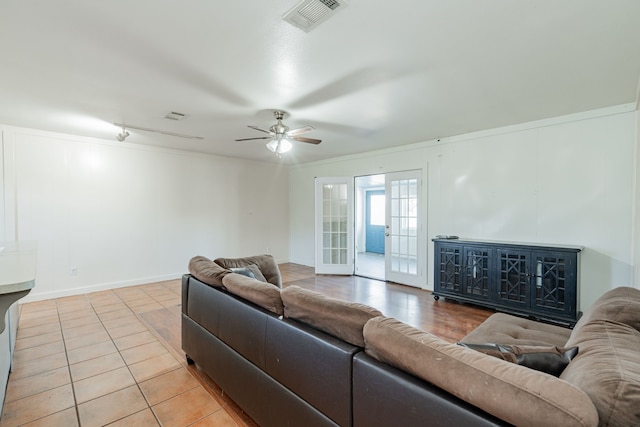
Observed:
{"x":436,"y":297}
{"x":190,"y":361}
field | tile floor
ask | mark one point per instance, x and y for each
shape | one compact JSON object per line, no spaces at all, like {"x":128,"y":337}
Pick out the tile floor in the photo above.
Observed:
{"x":89,"y":360}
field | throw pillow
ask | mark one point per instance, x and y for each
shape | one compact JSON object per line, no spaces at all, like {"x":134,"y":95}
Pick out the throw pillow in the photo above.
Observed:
{"x":342,"y":319}
{"x":266,"y":263}
{"x":549,"y":359}
{"x":251,"y":271}
{"x":207,"y":271}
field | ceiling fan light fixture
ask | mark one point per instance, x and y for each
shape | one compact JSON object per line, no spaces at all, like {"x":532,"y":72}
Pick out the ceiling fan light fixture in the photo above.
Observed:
{"x":279,"y":146}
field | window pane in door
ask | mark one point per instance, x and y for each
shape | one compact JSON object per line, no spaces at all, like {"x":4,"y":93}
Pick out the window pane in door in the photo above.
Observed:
{"x":335,"y":213}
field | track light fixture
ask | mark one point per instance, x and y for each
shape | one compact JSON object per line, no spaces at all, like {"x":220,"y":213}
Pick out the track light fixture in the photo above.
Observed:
{"x":122,"y":136}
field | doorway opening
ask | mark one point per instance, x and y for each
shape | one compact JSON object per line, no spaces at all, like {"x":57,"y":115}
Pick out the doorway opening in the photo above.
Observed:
{"x":370,"y":221}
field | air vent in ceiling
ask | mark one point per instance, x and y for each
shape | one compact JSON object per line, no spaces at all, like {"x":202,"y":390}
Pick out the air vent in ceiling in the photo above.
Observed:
{"x":308,"y":14}
{"x":172,"y":115}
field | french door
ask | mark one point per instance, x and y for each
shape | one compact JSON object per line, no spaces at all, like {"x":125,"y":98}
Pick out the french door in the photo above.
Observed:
{"x":334,"y":226}
{"x":404,"y":248}
{"x":405,"y":252}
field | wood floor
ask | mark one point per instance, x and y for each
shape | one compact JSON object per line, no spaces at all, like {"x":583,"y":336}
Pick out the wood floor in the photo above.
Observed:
{"x":114,"y":357}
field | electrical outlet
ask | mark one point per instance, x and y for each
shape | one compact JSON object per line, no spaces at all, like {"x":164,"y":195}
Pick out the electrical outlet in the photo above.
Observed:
{"x":73,"y":271}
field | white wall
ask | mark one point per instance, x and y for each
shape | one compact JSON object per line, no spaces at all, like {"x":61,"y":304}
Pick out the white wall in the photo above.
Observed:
{"x":636,"y":213}
{"x":567,"y":180}
{"x":127,"y":214}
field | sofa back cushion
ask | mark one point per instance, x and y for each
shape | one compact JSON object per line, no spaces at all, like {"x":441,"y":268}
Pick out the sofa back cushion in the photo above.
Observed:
{"x":620,"y":304}
{"x":513,"y":393}
{"x":607,"y":369}
{"x":266,"y":263}
{"x":341,"y":319}
{"x":207,"y":271}
{"x":262,"y":294}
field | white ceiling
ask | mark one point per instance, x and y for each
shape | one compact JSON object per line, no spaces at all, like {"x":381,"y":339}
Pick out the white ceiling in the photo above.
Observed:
{"x":377,"y":74}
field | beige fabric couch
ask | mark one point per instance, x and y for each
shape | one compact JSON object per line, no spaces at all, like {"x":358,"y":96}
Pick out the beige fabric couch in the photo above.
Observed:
{"x":600,"y":386}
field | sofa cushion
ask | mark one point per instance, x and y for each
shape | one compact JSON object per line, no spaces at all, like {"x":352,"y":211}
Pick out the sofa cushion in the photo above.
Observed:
{"x":608,"y":370}
{"x":341,"y":319}
{"x":510,"y":392}
{"x":512,"y":330}
{"x":251,"y":271}
{"x":207,"y":271}
{"x":262,"y":294}
{"x":266,"y":263}
{"x":549,"y":359}
{"x":619,"y":305}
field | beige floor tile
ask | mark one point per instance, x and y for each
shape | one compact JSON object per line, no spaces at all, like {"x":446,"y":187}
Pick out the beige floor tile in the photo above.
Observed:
{"x":66,"y":418}
{"x":156,"y":389}
{"x":34,"y":384}
{"x":140,"y":301}
{"x":143,"y":352}
{"x":96,"y":366}
{"x":38,"y":330}
{"x":123,"y":331}
{"x":134,"y":340}
{"x":186,"y":408}
{"x":21,"y":356}
{"x":80,"y":331}
{"x":38,"y":340}
{"x":27,"y":314}
{"x":101,"y":309}
{"x":28,"y":323}
{"x":114,"y":314}
{"x":80,"y":321}
{"x":153,"y":367}
{"x":38,"y":366}
{"x":139,"y":419}
{"x":102,"y":384}
{"x":77,"y":314}
{"x":112,"y":407}
{"x":86,"y":340}
{"x":37,"y":406}
{"x":31,"y":307}
{"x":148,"y":307}
{"x":81,"y":354}
{"x":128,"y":319}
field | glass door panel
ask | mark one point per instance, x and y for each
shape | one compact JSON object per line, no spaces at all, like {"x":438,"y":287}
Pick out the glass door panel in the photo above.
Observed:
{"x":334,"y":230}
{"x":404,"y":253}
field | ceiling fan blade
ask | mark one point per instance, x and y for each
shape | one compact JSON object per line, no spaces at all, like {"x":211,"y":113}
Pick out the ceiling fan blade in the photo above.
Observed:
{"x":300,"y":131}
{"x":261,"y":130}
{"x":250,"y":139}
{"x":179,"y":135}
{"x":309,"y":140}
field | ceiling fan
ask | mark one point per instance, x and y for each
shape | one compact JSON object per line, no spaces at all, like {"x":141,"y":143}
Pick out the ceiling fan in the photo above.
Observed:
{"x":281,"y":136}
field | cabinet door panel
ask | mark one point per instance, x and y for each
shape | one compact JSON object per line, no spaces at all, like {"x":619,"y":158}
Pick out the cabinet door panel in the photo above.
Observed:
{"x":553,"y":282}
{"x":450,"y":268}
{"x":513,"y":278}
{"x":476,"y":272}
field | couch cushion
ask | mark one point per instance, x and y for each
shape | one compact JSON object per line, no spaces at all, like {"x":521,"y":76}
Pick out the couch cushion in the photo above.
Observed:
{"x":251,"y":271}
{"x":262,"y":294}
{"x":266,"y":263}
{"x":619,"y":305}
{"x":549,"y":359}
{"x":510,"y":392}
{"x":207,"y":271}
{"x":512,"y":330}
{"x":341,"y":319}
{"x":608,"y":370}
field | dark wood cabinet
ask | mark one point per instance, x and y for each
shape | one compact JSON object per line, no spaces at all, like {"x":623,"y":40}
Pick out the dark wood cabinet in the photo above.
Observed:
{"x":539,"y":281}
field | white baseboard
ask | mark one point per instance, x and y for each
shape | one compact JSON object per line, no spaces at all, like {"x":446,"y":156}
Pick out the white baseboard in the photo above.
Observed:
{"x":34,"y":296}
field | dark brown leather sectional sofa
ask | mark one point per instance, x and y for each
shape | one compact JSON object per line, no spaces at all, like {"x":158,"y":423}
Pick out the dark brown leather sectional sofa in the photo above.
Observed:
{"x":295,"y":358}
